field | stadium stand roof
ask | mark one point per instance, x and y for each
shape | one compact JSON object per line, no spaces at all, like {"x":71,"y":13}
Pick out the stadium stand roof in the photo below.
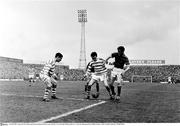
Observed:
{"x":7,"y":59}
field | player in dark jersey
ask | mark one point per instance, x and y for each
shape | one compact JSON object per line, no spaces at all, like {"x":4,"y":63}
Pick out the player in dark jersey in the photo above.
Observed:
{"x":121,"y":65}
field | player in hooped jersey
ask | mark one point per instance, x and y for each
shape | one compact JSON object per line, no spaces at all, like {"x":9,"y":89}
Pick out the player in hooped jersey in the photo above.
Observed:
{"x":48,"y":76}
{"x":99,"y":74}
{"x":88,"y":75}
{"x":121,"y":65}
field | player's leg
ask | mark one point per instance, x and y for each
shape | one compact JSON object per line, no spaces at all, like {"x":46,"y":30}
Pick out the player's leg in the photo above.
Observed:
{"x":112,"y":85}
{"x":119,"y":86}
{"x":46,"y":93}
{"x":86,"y":85}
{"x":96,"y":95}
{"x":97,"y":87}
{"x":104,"y":79}
{"x":48,"y":84}
{"x":118,"y":92}
{"x":91,"y":82}
{"x":29,"y":82}
{"x":53,"y":89}
{"x":107,"y":87}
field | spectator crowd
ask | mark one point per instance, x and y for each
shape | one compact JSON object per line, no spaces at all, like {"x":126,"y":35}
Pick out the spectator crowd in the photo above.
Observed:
{"x":13,"y":70}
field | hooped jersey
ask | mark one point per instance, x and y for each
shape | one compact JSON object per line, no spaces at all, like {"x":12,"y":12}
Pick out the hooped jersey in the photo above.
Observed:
{"x":97,"y":67}
{"x":49,"y":68}
{"x":90,"y":70}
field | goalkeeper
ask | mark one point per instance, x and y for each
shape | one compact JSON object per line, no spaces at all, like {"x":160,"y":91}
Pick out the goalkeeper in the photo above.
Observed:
{"x":48,"y":76}
{"x":88,"y":76}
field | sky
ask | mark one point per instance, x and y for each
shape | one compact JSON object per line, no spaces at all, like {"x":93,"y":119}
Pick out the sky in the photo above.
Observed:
{"x":34,"y":30}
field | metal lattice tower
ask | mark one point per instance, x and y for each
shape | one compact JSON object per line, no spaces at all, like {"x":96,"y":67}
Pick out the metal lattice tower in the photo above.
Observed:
{"x":82,"y":18}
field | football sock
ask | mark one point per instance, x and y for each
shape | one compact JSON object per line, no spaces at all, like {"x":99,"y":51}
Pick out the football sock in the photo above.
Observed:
{"x":85,"y":87}
{"x":112,"y":89}
{"x":119,"y":90}
{"x":53,"y":90}
{"x":97,"y":87}
{"x":88,"y":90}
{"x":46,"y":92}
{"x":108,"y":89}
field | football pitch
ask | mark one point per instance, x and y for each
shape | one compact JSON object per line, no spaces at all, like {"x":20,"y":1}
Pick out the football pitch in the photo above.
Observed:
{"x":140,"y":103}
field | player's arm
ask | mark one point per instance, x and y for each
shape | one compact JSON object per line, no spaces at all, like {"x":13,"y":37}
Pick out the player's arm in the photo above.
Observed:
{"x":87,"y":67}
{"x":111,"y":56}
{"x":48,"y":68}
{"x":55,"y":76}
{"x":126,"y":67}
{"x":88,"y":70}
{"x":108,"y":59}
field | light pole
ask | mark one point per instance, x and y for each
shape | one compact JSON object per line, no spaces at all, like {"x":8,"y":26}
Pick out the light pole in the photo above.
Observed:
{"x":82,"y":18}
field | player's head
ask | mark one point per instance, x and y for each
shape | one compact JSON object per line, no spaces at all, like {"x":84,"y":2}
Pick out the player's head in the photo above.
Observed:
{"x":121,"y":50}
{"x":58,"y":57}
{"x":94,"y":56}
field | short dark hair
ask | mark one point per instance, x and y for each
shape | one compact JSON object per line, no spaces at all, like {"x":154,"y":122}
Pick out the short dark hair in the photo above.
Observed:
{"x":121,"y":48}
{"x":93,"y":54}
{"x":58,"y":55}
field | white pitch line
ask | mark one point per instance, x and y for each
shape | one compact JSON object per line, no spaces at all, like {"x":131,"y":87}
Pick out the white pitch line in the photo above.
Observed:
{"x":31,"y":96}
{"x":71,"y":112}
{"x":151,"y":90}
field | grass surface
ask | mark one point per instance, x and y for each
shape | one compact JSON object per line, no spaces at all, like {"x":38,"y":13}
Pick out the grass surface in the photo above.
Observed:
{"x":140,"y":102}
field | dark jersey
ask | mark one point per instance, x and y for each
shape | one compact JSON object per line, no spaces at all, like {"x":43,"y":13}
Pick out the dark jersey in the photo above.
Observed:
{"x":120,"y":60}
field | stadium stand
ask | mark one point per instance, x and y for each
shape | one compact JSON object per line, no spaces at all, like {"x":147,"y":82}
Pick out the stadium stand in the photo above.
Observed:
{"x":158,"y":73}
{"x":15,"y":69}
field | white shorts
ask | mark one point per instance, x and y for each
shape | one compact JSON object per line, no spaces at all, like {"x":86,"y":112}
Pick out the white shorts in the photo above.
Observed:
{"x":99,"y":77}
{"x":31,"y":76}
{"x":48,"y":80}
{"x":116,"y":72}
